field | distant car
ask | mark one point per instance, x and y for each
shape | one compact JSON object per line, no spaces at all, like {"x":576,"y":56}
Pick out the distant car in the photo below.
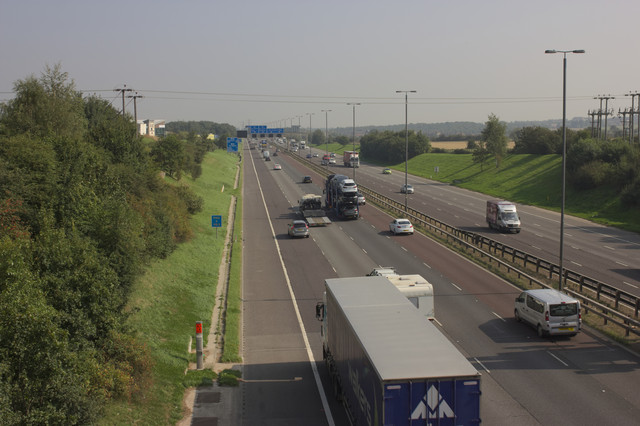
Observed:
{"x":277,"y":167}
{"x":332,"y":155}
{"x":299,"y":228}
{"x":361,"y":199}
{"x":332,"y":160}
{"x":275,"y":154}
{"x":387,"y":171}
{"x":407,"y":189}
{"x":307,"y":179}
{"x":309,"y":156}
{"x":324,"y":162}
{"x":401,"y":226}
{"x":315,"y":155}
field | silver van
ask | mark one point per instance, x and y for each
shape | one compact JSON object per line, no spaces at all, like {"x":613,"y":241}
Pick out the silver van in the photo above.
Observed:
{"x":550,"y":312}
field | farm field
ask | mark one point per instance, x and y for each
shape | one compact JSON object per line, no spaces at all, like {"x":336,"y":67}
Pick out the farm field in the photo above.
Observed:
{"x":458,"y":144}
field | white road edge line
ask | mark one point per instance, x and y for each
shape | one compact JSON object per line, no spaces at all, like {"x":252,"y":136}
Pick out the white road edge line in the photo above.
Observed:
{"x":312,"y":361}
{"x":558,"y":359}
{"x":459,"y":289}
{"x":482,"y":365}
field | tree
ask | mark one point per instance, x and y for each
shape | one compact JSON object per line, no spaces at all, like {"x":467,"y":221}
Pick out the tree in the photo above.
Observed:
{"x":494,"y":138}
{"x":45,"y":107}
{"x":342,"y":140}
{"x":317,"y":138}
{"x":537,"y":140}
{"x":169,"y":153}
{"x":480,"y":154}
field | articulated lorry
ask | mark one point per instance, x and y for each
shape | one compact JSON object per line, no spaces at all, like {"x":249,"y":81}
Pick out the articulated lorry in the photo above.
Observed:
{"x":414,"y":287}
{"x":351,"y":159}
{"x":502,"y":215}
{"x":387,"y":364}
{"x":344,"y":203}
{"x":310,"y":207}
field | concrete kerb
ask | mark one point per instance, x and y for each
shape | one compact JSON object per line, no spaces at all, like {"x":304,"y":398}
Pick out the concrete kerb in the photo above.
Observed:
{"x":227,"y":399}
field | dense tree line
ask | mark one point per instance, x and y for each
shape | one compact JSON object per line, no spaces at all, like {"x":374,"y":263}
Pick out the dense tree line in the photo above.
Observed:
{"x":202,"y":128}
{"x":389,"y":147}
{"x":83,"y":208}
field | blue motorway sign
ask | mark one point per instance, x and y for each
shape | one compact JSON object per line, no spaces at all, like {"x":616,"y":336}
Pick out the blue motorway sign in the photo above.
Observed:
{"x":232,"y":144}
{"x":216,"y":221}
{"x":263,"y":130}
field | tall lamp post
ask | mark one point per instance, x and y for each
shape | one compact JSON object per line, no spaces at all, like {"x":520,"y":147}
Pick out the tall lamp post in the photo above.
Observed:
{"x":326,"y":132}
{"x":353,"y":164}
{"x":564,"y":153}
{"x":309,"y":138}
{"x":406,"y":144}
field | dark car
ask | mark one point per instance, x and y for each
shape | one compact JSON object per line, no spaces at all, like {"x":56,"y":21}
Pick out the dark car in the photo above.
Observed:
{"x":307,"y":179}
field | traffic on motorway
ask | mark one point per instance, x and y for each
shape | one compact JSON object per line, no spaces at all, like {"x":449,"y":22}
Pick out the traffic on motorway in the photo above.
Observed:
{"x":526,"y":379}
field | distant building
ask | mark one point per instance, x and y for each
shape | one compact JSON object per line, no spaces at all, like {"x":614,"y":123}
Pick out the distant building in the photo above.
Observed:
{"x":151,"y":127}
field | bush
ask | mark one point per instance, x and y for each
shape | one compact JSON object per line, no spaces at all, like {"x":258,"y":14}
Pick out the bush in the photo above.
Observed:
{"x":630,"y":195}
{"x":591,"y":175}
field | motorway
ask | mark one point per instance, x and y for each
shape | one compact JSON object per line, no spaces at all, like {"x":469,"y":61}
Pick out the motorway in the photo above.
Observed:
{"x":525,"y":380}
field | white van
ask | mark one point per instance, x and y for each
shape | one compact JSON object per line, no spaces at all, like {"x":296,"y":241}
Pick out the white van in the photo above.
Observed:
{"x":550,"y":312}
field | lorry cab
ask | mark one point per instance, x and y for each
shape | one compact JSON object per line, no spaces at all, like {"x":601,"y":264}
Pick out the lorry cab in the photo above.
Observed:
{"x":549,"y":311}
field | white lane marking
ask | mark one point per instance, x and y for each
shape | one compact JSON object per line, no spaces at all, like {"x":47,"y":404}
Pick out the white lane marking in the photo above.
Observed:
{"x":576,"y":263}
{"x":307,"y":346}
{"x":459,"y":289}
{"x":503,"y":320}
{"x":482,"y":365}
{"x":364,"y":251}
{"x":610,"y":248}
{"x":536,"y":247}
{"x":629,"y":284}
{"x":426,"y":265}
{"x":404,"y":249}
{"x":622,"y":264}
{"x":558,"y":359}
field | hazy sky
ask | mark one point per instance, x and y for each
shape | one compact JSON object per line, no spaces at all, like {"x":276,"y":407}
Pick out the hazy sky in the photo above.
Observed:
{"x":271,"y":61}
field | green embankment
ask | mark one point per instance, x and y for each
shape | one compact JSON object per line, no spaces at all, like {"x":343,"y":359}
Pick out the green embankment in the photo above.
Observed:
{"x":176,"y":292}
{"x":526,"y":179}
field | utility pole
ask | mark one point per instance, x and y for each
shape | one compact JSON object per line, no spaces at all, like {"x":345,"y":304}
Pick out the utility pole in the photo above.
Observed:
{"x":135,"y":106}
{"x":634,"y":112}
{"x":623,"y":114}
{"x":593,"y":115}
{"x":604,"y":112}
{"x":122,"y":91}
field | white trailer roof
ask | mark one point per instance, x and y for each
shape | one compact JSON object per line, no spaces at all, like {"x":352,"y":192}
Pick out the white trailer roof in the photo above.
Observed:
{"x":398,"y":340}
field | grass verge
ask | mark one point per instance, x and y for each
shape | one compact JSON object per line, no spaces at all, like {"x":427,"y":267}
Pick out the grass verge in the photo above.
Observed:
{"x":172,"y":295}
{"x":526,"y":179}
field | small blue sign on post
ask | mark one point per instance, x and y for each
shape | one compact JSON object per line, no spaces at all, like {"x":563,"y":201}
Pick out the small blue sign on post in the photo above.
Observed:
{"x":216,"y":222}
{"x":232,"y":144}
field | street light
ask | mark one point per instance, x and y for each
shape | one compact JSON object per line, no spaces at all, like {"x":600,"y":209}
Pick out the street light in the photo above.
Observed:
{"x":353,"y":164}
{"x":564,"y":152}
{"x":326,"y":132}
{"x":406,"y":144}
{"x":309,"y":138}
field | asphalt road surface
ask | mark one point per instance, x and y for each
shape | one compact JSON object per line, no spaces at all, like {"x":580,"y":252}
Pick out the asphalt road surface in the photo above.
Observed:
{"x":526,"y":380}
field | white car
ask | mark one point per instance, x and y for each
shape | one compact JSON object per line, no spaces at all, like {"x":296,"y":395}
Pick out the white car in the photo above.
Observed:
{"x":407,"y":189}
{"x":277,"y":167}
{"x":401,"y":226}
{"x":332,"y":160}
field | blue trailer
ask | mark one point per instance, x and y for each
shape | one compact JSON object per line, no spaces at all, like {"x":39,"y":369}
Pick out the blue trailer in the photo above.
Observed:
{"x":388,"y":364}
